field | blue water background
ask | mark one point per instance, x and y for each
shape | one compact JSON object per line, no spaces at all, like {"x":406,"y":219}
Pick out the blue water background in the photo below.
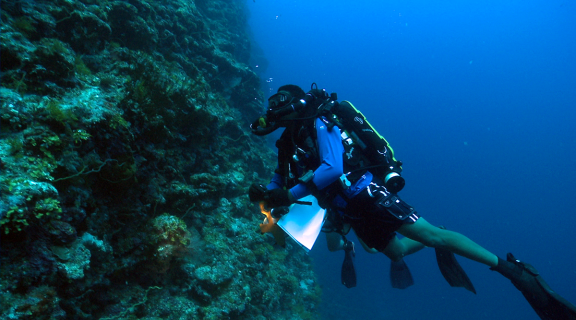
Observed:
{"x":478,"y":99}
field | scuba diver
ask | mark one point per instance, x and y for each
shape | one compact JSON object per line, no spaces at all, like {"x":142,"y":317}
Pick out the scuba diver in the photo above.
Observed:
{"x":329,"y":150}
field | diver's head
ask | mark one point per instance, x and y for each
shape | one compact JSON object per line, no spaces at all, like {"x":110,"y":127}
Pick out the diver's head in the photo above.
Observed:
{"x":283,"y":106}
{"x":285,"y":103}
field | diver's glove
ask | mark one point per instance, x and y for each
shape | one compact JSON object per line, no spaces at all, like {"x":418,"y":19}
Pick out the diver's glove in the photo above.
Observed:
{"x":257,"y":192}
{"x":278,"y":198}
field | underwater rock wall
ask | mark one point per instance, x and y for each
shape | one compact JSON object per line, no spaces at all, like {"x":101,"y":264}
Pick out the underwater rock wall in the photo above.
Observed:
{"x":124,"y":164}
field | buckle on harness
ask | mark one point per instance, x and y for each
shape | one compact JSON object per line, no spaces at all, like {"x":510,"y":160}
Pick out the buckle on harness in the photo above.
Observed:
{"x":307,"y":177}
{"x":344,"y":182}
{"x":346,"y":139}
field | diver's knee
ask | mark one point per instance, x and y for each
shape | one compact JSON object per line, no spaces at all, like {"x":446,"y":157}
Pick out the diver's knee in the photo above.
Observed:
{"x":366,"y":247}
{"x":334,"y":241}
{"x":370,"y":250}
{"x":394,"y":256}
{"x":334,"y":247}
{"x":395,"y":250}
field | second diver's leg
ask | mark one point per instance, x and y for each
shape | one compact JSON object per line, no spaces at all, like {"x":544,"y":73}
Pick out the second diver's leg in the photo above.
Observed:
{"x":335,"y":241}
{"x":432,"y":236}
{"x":398,"y":248}
{"x":395,"y":250}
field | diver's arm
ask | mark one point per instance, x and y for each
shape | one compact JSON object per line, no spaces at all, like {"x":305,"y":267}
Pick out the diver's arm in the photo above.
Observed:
{"x":330,"y":150}
{"x":276,"y":182}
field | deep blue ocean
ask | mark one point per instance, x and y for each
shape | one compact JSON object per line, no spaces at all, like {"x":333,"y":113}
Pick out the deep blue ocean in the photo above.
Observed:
{"x":478,"y":99}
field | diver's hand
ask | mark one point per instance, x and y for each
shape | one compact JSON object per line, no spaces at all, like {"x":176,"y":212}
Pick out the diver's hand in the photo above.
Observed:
{"x":278,"y":198}
{"x":257,"y":192}
{"x":278,"y":212}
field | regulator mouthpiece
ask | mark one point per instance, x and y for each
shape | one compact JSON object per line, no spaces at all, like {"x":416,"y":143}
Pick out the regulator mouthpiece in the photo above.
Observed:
{"x":262,"y":122}
{"x":262,"y":126}
{"x":394,"y":182}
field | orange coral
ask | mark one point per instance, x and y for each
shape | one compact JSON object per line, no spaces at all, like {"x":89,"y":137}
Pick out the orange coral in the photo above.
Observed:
{"x":170,"y":239}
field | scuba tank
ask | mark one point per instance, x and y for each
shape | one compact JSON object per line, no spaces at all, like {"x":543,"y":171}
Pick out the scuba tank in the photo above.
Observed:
{"x":365,"y":148}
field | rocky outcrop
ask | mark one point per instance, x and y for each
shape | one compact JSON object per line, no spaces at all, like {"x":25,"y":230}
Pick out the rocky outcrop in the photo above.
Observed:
{"x":125,"y":160}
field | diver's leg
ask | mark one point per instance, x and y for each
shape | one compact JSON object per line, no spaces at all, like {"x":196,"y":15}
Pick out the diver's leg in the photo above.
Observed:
{"x":547,"y":304}
{"x":432,"y":236}
{"x":398,"y":248}
{"x":366,"y":247}
{"x":335,"y":241}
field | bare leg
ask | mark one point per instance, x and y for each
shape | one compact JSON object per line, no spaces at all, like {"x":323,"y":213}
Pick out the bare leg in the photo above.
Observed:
{"x":395,"y":250}
{"x":432,"y":236}
{"x":335,"y":241}
{"x":366,"y":247}
{"x":398,"y":248}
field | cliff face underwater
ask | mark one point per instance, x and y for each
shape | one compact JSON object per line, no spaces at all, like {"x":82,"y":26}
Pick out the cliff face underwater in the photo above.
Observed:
{"x":125,"y":159}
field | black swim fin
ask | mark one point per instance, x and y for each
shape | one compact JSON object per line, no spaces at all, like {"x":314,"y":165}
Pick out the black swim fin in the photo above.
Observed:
{"x":548,"y":304}
{"x":348,"y":271}
{"x":400,"y":276}
{"x":452,"y":271}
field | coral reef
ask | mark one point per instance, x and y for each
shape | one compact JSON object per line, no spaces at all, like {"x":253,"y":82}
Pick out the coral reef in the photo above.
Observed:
{"x":124,"y":163}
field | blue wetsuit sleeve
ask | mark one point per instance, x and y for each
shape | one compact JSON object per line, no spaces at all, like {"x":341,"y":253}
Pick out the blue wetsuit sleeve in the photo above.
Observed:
{"x":276,"y":182}
{"x":330,"y":150}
